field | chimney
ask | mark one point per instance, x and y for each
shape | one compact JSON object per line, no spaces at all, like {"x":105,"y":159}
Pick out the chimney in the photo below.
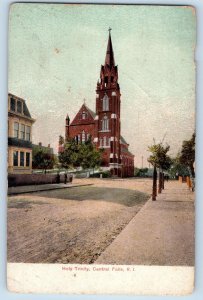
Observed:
{"x":40,"y":144}
{"x":48,"y":145}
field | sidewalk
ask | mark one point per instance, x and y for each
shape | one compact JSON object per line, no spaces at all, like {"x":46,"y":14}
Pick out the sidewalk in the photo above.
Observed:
{"x":41,"y":187}
{"x":162,"y":233}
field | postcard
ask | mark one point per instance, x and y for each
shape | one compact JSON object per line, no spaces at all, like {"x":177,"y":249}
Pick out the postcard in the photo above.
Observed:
{"x":101,"y":149}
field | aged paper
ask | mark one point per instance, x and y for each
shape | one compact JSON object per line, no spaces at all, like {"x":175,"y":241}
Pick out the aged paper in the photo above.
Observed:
{"x":101,"y":149}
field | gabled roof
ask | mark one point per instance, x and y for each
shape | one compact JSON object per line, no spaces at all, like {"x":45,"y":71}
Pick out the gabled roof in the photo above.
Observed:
{"x":90,"y":116}
{"x":123,"y":141}
{"x":91,"y":112}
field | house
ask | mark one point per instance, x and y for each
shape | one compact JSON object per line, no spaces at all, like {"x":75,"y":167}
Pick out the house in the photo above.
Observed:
{"x":19,"y":136}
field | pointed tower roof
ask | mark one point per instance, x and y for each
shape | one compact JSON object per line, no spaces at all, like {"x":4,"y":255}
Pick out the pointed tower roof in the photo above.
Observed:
{"x":109,"y":60}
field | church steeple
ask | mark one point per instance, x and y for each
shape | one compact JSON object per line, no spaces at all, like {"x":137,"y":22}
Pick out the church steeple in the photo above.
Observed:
{"x":109,"y":60}
{"x":109,"y":71}
{"x":107,"y":120}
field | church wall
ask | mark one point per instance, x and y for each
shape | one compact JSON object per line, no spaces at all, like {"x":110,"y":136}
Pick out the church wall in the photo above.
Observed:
{"x":75,"y":130}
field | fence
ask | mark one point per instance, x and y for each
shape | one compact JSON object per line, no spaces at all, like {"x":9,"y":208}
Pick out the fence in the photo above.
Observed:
{"x":34,"y":179}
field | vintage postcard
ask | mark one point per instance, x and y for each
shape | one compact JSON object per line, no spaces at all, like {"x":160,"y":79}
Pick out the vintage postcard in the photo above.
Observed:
{"x":101,"y":149}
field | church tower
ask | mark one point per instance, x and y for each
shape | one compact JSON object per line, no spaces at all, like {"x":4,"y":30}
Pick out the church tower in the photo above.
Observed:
{"x":107,"y":120}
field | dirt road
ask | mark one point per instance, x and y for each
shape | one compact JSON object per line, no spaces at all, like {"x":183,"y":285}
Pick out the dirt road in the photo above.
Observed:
{"x":73,"y":225}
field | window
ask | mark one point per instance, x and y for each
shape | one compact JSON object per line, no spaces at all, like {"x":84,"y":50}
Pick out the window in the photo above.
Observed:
{"x":83,"y":136}
{"x":16,"y":130}
{"x":12,"y":104}
{"x":15,"y":158}
{"x":27,"y":159}
{"x":19,"y":107}
{"x":22,"y":159}
{"x":22,"y":131}
{"x":105,"y":124}
{"x":104,"y":141}
{"x":78,"y":138}
{"x":84,"y":115}
{"x":105,"y":103}
{"x":88,"y":136}
{"x":100,"y":142}
{"x":28,"y":130}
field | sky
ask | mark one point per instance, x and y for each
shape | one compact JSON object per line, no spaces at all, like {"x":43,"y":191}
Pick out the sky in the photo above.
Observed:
{"x":55,"y":56}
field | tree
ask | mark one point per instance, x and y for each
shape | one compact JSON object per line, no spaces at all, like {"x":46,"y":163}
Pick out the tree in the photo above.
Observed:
{"x":159,"y":159}
{"x":96,"y":159}
{"x":89,"y":156}
{"x":178,"y":168}
{"x":41,"y":159}
{"x":187,"y":155}
{"x":69,"y":157}
{"x":76,"y":154}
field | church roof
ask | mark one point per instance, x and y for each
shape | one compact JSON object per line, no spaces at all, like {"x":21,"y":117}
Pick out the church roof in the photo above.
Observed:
{"x":78,"y":120}
{"x":126,"y":151}
{"x":91,"y":111}
{"x":109,"y":60}
{"x":123,"y":141}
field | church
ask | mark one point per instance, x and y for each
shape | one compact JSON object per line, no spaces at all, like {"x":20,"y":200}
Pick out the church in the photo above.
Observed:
{"x":104,"y":125}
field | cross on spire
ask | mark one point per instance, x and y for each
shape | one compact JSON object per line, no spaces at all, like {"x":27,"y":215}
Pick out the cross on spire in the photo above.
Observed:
{"x":84,"y":100}
{"x":109,"y":60}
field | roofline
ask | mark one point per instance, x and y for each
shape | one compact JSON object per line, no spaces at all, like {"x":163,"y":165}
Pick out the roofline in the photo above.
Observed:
{"x":89,"y":110}
{"x":15,"y":113}
{"x":10,"y":94}
{"x":21,"y":116}
{"x":78,"y":124}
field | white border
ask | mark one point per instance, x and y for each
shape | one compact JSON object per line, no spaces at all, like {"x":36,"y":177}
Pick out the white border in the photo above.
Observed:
{"x":100,"y":279}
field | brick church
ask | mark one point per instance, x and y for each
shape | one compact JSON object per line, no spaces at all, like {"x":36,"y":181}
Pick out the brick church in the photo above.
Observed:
{"x":104,"y":126}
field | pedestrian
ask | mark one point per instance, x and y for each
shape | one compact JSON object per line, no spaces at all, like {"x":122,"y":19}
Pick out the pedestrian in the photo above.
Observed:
{"x":58,"y":177}
{"x":65,"y":178}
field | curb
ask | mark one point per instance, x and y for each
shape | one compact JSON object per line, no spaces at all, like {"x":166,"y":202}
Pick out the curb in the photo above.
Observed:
{"x":50,"y":189}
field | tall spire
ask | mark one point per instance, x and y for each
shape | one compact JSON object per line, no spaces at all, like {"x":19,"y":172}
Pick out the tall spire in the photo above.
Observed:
{"x":109,"y":60}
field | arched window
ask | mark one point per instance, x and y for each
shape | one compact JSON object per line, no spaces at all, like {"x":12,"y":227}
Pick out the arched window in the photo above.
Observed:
{"x":83,"y":136}
{"x":84,"y":115}
{"x":105,"y":123}
{"x":105,"y":103}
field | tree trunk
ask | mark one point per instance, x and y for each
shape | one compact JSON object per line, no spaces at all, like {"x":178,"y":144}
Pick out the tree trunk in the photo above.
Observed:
{"x":163,"y":181}
{"x":192,"y":170}
{"x":154,"y":188}
{"x":160,"y":182}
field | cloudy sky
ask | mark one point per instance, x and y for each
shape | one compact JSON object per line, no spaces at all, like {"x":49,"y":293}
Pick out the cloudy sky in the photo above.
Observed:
{"x":55,"y":55}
